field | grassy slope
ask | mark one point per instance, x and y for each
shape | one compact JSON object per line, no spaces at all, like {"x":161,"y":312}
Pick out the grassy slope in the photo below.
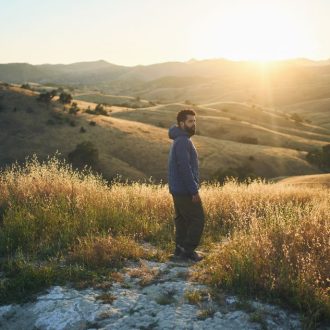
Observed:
{"x":308,"y":180}
{"x":318,"y":111}
{"x":234,"y":121}
{"x":134,"y":149}
{"x":111,"y":99}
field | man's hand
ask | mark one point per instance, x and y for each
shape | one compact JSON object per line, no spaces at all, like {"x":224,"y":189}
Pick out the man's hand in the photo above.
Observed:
{"x":196,"y":198}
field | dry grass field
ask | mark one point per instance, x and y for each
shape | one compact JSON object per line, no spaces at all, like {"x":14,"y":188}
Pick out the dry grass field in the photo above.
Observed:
{"x":265,"y":240}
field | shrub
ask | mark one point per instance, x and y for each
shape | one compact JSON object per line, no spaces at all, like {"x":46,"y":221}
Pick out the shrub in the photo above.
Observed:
{"x":26,"y":86}
{"x":321,"y":158}
{"x":74,"y":108}
{"x":45,"y":97}
{"x":99,"y":110}
{"x":240,"y":173}
{"x":85,"y":154}
{"x":65,"y":98}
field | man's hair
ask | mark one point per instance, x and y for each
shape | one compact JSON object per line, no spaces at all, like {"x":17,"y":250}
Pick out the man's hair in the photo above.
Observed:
{"x":182,"y":115}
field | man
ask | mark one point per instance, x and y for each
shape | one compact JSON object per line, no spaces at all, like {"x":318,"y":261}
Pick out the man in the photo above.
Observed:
{"x":183,"y":182}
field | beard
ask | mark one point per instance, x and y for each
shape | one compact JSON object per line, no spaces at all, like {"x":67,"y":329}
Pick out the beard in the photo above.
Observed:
{"x":190,"y":130}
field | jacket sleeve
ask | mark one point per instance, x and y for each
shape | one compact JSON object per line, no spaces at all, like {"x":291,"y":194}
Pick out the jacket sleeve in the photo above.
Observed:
{"x":183,"y":162}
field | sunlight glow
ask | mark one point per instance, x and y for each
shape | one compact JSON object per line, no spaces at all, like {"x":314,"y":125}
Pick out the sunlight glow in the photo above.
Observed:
{"x":259,"y":32}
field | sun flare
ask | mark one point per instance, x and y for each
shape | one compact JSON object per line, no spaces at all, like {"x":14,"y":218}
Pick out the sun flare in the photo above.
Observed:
{"x":262,"y":32}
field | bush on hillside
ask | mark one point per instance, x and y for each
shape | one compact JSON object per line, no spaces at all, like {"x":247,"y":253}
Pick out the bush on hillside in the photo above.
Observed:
{"x":65,"y":98}
{"x":74,"y":108}
{"x":47,"y":96}
{"x":99,"y":110}
{"x":321,"y":158}
{"x":26,"y":86}
{"x":240,"y":173}
{"x":85,"y":153}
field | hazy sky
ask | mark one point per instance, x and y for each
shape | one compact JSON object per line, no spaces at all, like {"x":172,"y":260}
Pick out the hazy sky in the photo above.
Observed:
{"x":132,"y":32}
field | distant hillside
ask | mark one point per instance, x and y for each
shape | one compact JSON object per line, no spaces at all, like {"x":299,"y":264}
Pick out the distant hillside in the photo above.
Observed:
{"x":318,"y":111}
{"x":240,"y":123}
{"x":278,"y":84}
{"x":315,"y":180}
{"x":131,"y":148}
{"x":76,"y":73}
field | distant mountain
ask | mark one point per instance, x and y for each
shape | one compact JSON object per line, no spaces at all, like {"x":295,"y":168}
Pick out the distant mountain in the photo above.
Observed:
{"x":277,"y":84}
{"x":100,"y":72}
{"x":83,"y":72}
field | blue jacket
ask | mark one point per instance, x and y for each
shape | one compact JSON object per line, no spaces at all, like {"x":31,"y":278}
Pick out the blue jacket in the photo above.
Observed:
{"x":183,"y":178}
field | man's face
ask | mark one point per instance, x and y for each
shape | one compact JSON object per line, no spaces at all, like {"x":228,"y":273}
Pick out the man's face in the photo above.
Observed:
{"x":189,"y":125}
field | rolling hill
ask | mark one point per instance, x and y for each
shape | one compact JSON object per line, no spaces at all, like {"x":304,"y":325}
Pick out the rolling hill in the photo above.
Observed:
{"x":137,"y":147}
{"x":315,"y":180}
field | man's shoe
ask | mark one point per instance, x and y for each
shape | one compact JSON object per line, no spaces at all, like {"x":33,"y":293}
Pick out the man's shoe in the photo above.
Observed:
{"x":192,"y":256}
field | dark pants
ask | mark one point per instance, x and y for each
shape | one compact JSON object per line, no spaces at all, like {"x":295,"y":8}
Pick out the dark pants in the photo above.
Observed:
{"x":189,"y":222}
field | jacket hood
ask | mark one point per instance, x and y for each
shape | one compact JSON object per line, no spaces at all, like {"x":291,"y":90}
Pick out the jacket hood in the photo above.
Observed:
{"x":175,"y":131}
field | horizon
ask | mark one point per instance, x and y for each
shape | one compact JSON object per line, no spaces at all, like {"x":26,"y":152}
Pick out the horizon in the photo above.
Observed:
{"x":177,"y":61}
{"x":131,"y":33}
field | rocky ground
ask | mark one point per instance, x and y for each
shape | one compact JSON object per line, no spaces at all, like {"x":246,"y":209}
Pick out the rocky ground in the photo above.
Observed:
{"x":146,"y":295}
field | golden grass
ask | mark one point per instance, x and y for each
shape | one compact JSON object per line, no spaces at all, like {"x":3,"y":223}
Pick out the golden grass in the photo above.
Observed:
{"x":280,"y":249}
{"x":108,"y":252}
{"x":267,"y":239}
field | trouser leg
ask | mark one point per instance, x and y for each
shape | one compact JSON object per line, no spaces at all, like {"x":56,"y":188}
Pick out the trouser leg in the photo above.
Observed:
{"x":190,"y":223}
{"x":181,"y":226}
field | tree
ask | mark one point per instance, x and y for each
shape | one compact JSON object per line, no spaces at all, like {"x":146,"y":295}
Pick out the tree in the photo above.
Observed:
{"x":74,"y":108}
{"x":44,"y":97}
{"x":100,"y":110}
{"x":47,"y":96}
{"x":26,"y":86}
{"x":65,"y":98}
{"x":53,"y":93}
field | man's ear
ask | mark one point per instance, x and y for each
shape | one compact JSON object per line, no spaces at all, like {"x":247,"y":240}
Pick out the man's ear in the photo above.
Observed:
{"x":181,"y":124}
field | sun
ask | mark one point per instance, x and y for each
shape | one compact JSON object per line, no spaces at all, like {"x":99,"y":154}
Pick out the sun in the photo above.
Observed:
{"x":262,"y":32}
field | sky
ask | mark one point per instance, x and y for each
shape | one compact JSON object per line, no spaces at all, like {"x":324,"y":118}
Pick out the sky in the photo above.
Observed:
{"x":142,"y":32}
